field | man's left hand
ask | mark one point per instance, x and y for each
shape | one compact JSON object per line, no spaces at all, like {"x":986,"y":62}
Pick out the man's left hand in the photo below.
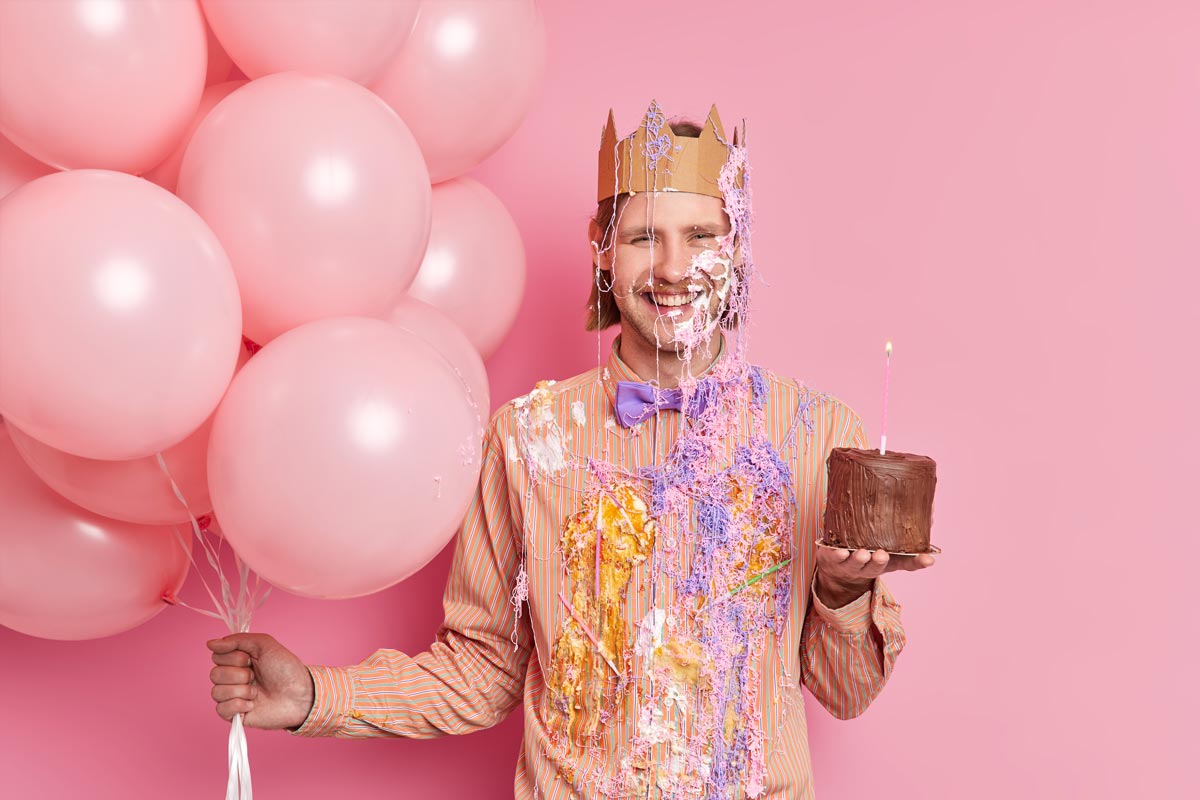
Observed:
{"x":843,"y":575}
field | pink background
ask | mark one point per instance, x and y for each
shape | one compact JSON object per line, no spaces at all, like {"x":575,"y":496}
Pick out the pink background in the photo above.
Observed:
{"x":1008,"y":191}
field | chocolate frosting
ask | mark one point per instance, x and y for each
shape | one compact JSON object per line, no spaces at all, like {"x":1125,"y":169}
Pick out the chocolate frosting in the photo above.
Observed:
{"x":880,"y":501}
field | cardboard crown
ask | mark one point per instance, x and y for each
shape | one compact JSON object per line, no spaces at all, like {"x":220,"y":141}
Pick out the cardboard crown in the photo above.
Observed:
{"x":654,"y":159}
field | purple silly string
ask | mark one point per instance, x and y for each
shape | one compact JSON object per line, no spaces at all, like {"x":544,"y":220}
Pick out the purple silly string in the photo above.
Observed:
{"x":728,"y":634}
{"x":658,"y":141}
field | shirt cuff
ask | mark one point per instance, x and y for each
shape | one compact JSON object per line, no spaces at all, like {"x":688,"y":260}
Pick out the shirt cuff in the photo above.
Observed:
{"x":854,"y":617}
{"x":333,"y":701}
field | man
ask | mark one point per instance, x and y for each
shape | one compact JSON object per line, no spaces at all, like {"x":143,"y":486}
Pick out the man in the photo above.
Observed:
{"x":639,"y":567}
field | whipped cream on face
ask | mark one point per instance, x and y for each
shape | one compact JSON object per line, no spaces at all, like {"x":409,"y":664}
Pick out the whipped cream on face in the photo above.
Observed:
{"x":716,"y":266}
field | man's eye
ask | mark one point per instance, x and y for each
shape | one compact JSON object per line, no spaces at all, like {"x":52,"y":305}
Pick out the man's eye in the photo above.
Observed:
{"x":641,"y":239}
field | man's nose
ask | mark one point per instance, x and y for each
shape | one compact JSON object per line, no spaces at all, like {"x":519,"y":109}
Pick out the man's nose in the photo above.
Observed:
{"x":673,"y":264}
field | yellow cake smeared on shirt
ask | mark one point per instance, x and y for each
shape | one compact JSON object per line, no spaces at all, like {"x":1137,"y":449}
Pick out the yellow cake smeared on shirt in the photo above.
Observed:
{"x":618,"y":520}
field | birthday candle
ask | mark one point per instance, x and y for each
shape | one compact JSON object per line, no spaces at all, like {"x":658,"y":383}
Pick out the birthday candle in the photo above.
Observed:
{"x":887,"y":376}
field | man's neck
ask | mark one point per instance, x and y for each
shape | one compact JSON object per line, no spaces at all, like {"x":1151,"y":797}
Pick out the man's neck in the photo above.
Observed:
{"x":666,"y":366}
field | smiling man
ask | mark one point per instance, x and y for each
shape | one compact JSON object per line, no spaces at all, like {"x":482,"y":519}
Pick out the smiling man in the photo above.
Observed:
{"x":639,"y":569}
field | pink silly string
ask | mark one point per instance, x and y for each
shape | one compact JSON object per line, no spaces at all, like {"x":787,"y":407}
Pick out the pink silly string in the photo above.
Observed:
{"x":520,"y":596}
{"x":587,"y":632}
{"x":599,"y":537}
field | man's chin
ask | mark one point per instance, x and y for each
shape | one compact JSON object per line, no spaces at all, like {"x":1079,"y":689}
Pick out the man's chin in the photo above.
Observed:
{"x":670,"y":340}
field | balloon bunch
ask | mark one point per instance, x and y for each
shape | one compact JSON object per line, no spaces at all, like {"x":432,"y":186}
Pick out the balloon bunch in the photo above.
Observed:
{"x":186,"y":182}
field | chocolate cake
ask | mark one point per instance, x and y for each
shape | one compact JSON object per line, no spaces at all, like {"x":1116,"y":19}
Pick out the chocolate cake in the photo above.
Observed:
{"x":879,"y":501}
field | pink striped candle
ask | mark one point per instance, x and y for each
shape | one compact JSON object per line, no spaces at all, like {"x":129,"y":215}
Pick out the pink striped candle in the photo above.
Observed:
{"x":887,"y":377}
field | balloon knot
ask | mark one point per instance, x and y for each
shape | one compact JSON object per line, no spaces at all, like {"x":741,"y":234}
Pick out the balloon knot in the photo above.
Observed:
{"x":169,"y":598}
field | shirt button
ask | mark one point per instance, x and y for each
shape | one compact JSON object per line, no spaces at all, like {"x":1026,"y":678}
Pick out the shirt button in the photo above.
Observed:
{"x":356,"y":713}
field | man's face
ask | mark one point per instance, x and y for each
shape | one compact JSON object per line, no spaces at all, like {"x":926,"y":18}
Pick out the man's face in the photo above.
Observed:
{"x":669,"y":272}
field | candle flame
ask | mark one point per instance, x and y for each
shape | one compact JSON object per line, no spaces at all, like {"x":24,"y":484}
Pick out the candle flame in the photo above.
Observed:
{"x":888,"y":348}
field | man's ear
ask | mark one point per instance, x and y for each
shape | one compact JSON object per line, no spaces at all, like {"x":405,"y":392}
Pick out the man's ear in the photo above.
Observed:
{"x":595,"y":239}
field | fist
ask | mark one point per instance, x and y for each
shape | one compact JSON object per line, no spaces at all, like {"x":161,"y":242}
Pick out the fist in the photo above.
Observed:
{"x":258,"y":677}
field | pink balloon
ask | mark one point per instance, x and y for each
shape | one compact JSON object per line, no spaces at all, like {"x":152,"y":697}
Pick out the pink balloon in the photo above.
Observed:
{"x":132,"y":491}
{"x":439,"y":331}
{"x":465,"y":79}
{"x":109,"y":84}
{"x":474,"y":266}
{"x":66,"y":573}
{"x":352,"y":38}
{"x":343,"y":457}
{"x":220,"y":65}
{"x":166,"y":174}
{"x":18,"y":168}
{"x":119,"y":316}
{"x":319,"y":195}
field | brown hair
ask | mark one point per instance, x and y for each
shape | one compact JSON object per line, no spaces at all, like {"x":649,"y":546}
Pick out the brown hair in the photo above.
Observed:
{"x":602,"y":311}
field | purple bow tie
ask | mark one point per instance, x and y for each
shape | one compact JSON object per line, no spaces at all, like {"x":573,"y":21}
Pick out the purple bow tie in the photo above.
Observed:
{"x":637,"y":402}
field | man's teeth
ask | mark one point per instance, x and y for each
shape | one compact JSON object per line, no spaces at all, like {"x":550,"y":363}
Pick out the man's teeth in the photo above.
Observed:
{"x":674,"y":299}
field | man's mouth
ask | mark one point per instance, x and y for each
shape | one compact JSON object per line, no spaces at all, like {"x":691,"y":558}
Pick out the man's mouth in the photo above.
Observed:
{"x":670,"y":299}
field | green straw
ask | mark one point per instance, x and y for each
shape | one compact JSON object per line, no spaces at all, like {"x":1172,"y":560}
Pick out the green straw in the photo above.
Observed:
{"x":756,"y":578}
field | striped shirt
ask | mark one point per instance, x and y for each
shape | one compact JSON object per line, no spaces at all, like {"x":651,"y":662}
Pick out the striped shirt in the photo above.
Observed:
{"x":649,"y":662}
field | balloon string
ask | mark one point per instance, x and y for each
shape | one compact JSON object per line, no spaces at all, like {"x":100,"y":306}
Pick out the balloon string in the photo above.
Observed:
{"x":238,"y":786}
{"x":236,"y":613}
{"x":221,"y":613}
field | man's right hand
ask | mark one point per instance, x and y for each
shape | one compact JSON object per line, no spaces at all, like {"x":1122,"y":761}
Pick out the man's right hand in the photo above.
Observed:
{"x":257,"y":676}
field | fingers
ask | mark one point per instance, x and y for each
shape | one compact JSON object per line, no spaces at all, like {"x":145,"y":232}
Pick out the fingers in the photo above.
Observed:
{"x":231,"y":708}
{"x":251,"y":643}
{"x":223,"y":692}
{"x":232,"y":687}
{"x":867,"y":564}
{"x":866,"y":561}
{"x":912,"y":563}
{"x":231,"y":675}
{"x":225,"y":644}
{"x":238,"y":658}
{"x":863,"y":565}
{"x":850,"y":564}
{"x":860,"y":557}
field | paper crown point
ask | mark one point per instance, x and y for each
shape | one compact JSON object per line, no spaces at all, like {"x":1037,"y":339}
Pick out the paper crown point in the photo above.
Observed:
{"x":654,"y":159}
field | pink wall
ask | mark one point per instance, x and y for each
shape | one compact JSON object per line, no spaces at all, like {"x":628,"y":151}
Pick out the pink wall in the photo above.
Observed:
{"x":1010,"y":192}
